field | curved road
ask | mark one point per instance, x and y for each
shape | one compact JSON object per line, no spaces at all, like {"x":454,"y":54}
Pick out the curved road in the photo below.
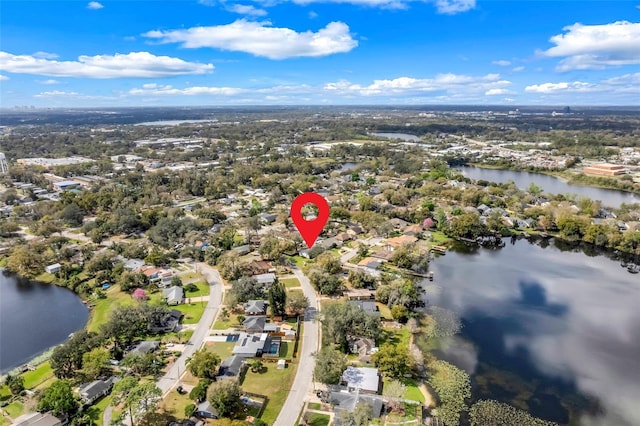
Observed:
{"x":302,"y":384}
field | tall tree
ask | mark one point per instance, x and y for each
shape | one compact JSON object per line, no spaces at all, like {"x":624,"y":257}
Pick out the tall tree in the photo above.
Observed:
{"x":330,"y":364}
{"x":94,"y":363}
{"x":224,"y":397}
{"x":204,"y":364}
{"x":58,"y":398}
{"x":278,"y":299}
{"x":139,"y":399}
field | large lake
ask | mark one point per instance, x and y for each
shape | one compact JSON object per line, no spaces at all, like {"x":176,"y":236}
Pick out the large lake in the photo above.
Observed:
{"x":550,"y":184}
{"x":554,"y":332}
{"x":34,"y":317}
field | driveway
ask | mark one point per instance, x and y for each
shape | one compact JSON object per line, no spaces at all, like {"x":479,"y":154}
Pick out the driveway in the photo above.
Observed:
{"x":303,"y":382}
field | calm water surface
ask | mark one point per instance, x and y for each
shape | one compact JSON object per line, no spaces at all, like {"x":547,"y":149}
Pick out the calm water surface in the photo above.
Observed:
{"x":34,"y":317}
{"x":609,"y":197}
{"x":556,"y":333}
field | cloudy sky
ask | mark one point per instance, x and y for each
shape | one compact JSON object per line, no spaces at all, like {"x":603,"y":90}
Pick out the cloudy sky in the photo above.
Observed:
{"x":223,"y":52}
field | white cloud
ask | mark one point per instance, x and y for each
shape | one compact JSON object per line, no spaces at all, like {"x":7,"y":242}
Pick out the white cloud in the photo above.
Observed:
{"x":155,"y":89}
{"x":596,"y":46}
{"x":261,"y":39}
{"x":49,"y":81}
{"x":56,"y":93}
{"x":452,"y":84}
{"x":447,"y":7}
{"x":4,"y":77}
{"x":312,"y":15}
{"x":134,"y":64}
{"x":494,"y":92}
{"x":246,"y":9}
{"x":94,"y":5}
{"x":576,"y":86}
{"x":502,"y":63}
{"x":518,"y":69}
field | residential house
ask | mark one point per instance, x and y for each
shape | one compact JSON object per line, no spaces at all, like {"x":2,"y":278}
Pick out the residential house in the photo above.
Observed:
{"x":368,"y":306}
{"x":173,"y":295}
{"x":360,"y":294}
{"x":144,"y":347}
{"x":167,"y":324}
{"x":37,"y":419}
{"x":267,"y":218}
{"x":347,"y":401}
{"x":413,"y":230}
{"x":330,"y":243}
{"x":363,"y":346}
{"x":231,"y":368}
{"x":242,"y":250}
{"x":397,"y":242}
{"x":252,"y":345}
{"x":53,"y":269}
{"x":399,"y":224}
{"x":259,"y":324}
{"x":91,"y":392}
{"x":133,"y":264}
{"x":265,"y":279}
{"x":255,"y":307}
{"x":205,"y":410}
{"x":258,"y":267}
{"x":364,"y":379}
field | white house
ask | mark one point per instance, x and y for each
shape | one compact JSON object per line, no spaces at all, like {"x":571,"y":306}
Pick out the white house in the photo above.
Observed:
{"x":53,"y":269}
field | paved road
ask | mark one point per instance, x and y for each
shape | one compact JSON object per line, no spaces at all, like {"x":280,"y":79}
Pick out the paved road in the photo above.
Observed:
{"x":302,"y":384}
{"x":169,"y":380}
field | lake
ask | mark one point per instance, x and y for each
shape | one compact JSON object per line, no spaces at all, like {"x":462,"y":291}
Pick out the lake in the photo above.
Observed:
{"x":554,"y":332}
{"x":33,"y":317}
{"x":403,"y":136}
{"x":609,"y":197}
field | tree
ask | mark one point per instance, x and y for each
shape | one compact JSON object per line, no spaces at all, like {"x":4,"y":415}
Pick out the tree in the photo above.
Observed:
{"x":256,"y":366}
{"x":142,"y":364}
{"x":395,"y":391}
{"x":224,"y":397}
{"x":229,"y":266}
{"x":139,"y":294}
{"x":343,"y":319}
{"x":94,"y":363}
{"x":466,"y":225}
{"x":277,"y":299}
{"x":139,"y":399}
{"x":245,"y":289}
{"x":66,"y":359}
{"x":204,"y":364}
{"x":393,"y":360}
{"x":453,"y":387}
{"x":361,"y":415}
{"x":15,"y":383}
{"x":325,"y":283}
{"x":58,"y":398}
{"x":199,"y":392}
{"x":330,"y":364}
{"x":176,"y":281}
{"x":26,"y":262}
{"x":490,"y":412}
{"x":297,"y":303}
{"x":400,"y":313}
{"x":329,"y":263}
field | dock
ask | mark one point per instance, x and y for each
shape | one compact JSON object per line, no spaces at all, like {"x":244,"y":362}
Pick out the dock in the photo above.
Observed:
{"x":439,"y":249}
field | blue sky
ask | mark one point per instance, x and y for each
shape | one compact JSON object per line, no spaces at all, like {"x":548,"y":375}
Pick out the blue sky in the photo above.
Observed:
{"x":223,"y":52}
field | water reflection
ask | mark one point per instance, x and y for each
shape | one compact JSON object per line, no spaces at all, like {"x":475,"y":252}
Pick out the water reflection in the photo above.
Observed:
{"x":554,"y":332}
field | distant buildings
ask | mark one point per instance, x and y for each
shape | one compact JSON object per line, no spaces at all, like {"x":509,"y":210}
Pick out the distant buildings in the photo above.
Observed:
{"x":52,"y":162}
{"x":604,"y":170}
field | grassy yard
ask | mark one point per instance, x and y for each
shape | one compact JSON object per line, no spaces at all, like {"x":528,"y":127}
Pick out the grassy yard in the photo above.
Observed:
{"x":412,"y":392}
{"x":103,"y":307}
{"x":191,"y":275}
{"x":223,"y":349}
{"x":192,"y":311}
{"x":290,"y":282}
{"x":395,"y":336}
{"x":42,"y":373}
{"x":15,"y":409}
{"x":174,"y":404}
{"x":385,"y":312}
{"x":299,"y":261}
{"x":100,"y":407}
{"x":203,"y":290}
{"x":222,"y":324}
{"x":271,"y":382}
{"x":317,"y":419}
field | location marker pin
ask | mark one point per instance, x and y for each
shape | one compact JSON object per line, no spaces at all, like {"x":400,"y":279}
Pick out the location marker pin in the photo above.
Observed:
{"x":310,"y":229}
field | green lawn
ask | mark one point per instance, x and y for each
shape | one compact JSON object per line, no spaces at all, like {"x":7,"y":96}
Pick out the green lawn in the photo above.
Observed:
{"x":14,"y":409}
{"x":42,"y":373}
{"x":299,"y":261}
{"x":286,"y":349}
{"x":189,"y":276}
{"x":271,"y":382}
{"x":100,"y":407}
{"x":290,"y":282}
{"x":221,"y":324}
{"x":174,"y":404}
{"x":385,"y":312}
{"x":317,"y":419}
{"x":203,"y":290}
{"x":192,"y":311}
{"x":103,"y":307}
{"x":5,"y":393}
{"x":223,"y":349}
{"x":395,"y":336}
{"x":412,"y":392}
{"x":314,"y":406}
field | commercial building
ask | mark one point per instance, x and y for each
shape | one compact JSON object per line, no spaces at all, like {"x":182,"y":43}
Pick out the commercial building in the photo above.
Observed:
{"x":4,"y":167}
{"x":604,"y":170}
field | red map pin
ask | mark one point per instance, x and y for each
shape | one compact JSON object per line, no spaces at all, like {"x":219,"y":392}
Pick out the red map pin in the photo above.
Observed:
{"x":310,"y":229}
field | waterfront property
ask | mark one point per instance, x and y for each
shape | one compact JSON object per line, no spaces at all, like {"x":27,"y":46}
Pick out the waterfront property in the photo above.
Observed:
{"x":364,"y":379}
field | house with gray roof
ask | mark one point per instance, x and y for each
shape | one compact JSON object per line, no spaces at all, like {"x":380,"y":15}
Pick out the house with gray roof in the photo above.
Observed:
{"x":91,"y":392}
{"x":368,"y":306}
{"x":259,"y":324}
{"x":251,"y":345}
{"x":37,"y":419}
{"x":231,"y":367}
{"x":145,"y":347}
{"x":255,"y":307}
{"x":265,"y":279}
{"x":346,"y":401}
{"x":365,"y":379}
{"x":173,"y":295}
